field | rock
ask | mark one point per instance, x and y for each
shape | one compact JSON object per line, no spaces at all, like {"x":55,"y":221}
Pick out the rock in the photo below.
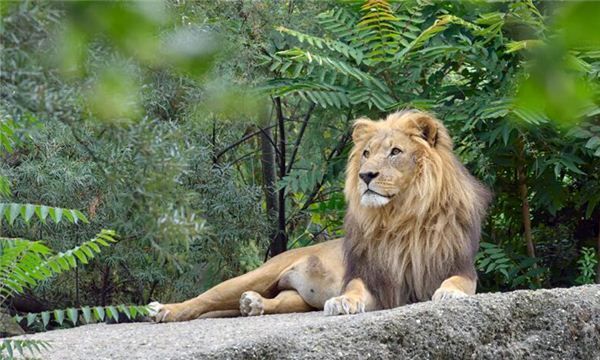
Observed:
{"x":8,"y":325}
{"x":543,"y":324}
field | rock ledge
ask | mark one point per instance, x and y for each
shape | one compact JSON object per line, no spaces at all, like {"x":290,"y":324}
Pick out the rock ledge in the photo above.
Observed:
{"x":543,"y":324}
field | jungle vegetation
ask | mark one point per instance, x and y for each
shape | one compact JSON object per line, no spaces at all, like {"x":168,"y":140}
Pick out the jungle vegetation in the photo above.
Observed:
{"x":210,"y":136}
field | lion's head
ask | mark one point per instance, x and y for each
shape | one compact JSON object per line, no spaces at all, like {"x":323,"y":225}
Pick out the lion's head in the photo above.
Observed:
{"x":414,"y":211}
{"x":391,"y":156}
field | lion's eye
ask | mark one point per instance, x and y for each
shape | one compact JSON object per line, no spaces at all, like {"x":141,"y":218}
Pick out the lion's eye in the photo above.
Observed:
{"x":366,"y":153}
{"x":395,"y":151}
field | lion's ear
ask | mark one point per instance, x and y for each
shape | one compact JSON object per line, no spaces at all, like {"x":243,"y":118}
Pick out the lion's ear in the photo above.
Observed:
{"x":362,"y":128}
{"x":427,"y":128}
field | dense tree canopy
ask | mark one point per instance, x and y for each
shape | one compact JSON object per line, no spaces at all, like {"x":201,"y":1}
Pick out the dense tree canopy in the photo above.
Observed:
{"x":212,"y":135}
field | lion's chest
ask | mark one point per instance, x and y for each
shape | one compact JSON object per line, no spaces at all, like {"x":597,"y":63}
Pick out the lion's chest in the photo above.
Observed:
{"x":397,"y":276}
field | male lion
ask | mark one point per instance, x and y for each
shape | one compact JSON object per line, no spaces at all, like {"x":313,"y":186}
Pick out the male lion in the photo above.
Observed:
{"x":412,"y":230}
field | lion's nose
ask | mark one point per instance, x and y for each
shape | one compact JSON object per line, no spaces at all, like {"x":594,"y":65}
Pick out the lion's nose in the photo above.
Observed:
{"x":368,"y":176}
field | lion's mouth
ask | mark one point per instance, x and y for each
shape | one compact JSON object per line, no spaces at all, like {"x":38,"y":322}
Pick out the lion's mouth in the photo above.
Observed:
{"x":373,"y":192}
{"x":371,"y":198}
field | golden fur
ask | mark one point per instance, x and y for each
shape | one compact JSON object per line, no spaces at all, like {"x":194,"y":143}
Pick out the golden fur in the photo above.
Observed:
{"x":427,"y":232}
{"x":412,"y":229}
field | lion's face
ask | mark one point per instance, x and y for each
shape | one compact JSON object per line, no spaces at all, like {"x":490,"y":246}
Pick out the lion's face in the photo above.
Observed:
{"x":387,"y":164}
{"x":385,"y":159}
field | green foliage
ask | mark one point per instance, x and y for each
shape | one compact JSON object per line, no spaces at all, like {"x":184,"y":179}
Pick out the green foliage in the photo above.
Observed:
{"x":84,"y":315}
{"x":513,"y":270}
{"x":12,"y":211}
{"x":587,"y":266}
{"x":22,"y":347}
{"x":24,"y":263}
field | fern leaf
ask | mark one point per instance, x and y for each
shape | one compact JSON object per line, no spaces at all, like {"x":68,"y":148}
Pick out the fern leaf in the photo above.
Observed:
{"x":377,"y":31}
{"x":339,"y":22}
{"x":24,"y":263}
{"x":333,"y":45}
{"x":315,"y":91}
{"x":12,"y":211}
{"x":441,"y":24}
{"x":88,"y":315}
{"x":12,"y":347}
{"x":341,"y":67}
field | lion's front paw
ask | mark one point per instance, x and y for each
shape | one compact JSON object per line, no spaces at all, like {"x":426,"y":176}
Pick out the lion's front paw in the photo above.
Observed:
{"x":169,"y":312}
{"x":445,"y":294}
{"x":341,"y":305}
{"x":251,"y":304}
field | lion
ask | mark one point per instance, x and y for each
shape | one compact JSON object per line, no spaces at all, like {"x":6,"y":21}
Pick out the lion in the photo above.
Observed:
{"x":412,"y":229}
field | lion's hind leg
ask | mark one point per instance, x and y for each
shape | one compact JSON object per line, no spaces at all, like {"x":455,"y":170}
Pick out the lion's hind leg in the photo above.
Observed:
{"x":287,"y":301}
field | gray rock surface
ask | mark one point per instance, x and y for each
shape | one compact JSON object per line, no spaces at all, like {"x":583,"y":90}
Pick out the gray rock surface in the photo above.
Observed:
{"x":543,"y":324}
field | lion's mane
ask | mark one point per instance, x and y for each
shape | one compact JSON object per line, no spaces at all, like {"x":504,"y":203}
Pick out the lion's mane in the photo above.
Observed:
{"x":404,"y":250}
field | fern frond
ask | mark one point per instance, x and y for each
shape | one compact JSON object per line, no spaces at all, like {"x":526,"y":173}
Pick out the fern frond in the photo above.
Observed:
{"x":333,"y":45}
{"x":17,"y":258}
{"x":441,"y":24}
{"x":372,"y":98}
{"x":508,"y":107}
{"x":343,"y":68}
{"x":377,"y":31}
{"x":339,"y":22}
{"x":319,"y":92}
{"x":11,"y":347}
{"x":12,"y":211}
{"x":24,"y":263}
{"x":85,"y":314}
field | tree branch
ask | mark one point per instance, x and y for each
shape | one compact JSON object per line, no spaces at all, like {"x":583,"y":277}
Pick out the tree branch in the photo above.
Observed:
{"x":240,"y":141}
{"x":299,"y":138}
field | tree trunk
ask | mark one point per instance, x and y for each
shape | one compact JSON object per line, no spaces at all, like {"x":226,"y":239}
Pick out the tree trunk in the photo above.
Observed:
{"x":267,"y":159}
{"x":279,"y":243}
{"x":523,"y":193}
{"x":526,"y":214}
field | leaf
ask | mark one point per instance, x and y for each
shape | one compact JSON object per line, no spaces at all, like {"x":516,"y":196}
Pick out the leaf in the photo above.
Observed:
{"x":571,"y":166}
{"x":29,"y":210}
{"x":79,"y":215}
{"x":69,"y":216}
{"x":484,"y":263}
{"x":112,"y":312}
{"x":133,"y":311}
{"x":14,"y":212}
{"x":43,"y":213}
{"x":56,"y":214}
{"x":31,"y":317}
{"x":122,"y":308}
{"x":593,"y":142}
{"x":59,"y":316}
{"x":87,"y":314}
{"x":81,"y":256}
{"x":99,"y":313}
{"x":71,"y":259}
{"x":73,"y":315}
{"x":45,"y":318}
